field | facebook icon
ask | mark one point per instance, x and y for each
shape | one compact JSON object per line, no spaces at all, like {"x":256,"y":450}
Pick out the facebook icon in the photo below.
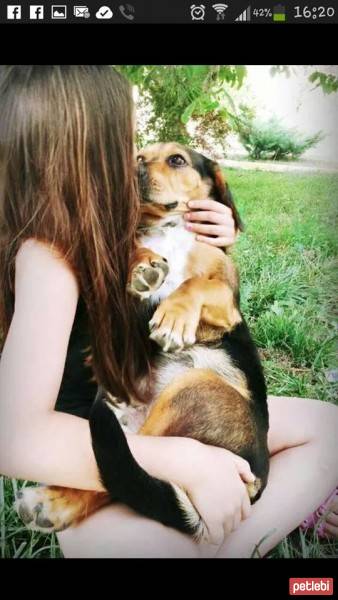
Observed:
{"x":13,"y":11}
{"x":36,"y":12}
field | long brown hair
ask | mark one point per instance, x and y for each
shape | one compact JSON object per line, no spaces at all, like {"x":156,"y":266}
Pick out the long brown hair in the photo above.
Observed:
{"x":67,"y":178}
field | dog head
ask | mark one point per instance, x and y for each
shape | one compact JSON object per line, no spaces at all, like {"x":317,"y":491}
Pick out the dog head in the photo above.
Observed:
{"x":170,"y":175}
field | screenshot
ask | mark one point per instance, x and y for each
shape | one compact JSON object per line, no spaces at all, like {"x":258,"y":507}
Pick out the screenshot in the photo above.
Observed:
{"x":168,"y":285}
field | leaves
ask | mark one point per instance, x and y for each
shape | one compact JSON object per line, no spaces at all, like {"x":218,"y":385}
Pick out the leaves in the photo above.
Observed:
{"x":328,"y":83}
{"x":280,"y":70}
{"x":241,"y":73}
{"x":177,"y":94}
{"x":173,"y":96}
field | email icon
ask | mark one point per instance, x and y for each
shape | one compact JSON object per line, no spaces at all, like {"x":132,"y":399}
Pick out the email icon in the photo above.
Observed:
{"x":81,"y":11}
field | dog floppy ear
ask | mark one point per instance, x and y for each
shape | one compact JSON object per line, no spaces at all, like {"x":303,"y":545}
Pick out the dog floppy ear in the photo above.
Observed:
{"x":222,"y":193}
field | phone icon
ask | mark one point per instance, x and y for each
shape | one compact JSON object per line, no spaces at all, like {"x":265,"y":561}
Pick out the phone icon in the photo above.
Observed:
{"x":127,"y":11}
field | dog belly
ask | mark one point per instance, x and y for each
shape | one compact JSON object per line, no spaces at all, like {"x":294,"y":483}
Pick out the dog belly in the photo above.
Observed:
{"x":170,"y":366}
{"x":131,"y":418}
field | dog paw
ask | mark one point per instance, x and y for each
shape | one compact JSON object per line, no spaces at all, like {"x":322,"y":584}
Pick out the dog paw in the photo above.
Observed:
{"x":147,"y":277}
{"x":173,"y":328}
{"x":43,"y":509}
{"x":169,"y":340}
{"x":253,"y":488}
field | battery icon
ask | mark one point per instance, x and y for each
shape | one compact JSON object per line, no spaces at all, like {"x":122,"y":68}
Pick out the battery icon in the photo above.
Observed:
{"x":279,"y":13}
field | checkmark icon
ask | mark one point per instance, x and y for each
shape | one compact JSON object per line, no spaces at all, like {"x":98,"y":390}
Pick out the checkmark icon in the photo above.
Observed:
{"x":104,"y":12}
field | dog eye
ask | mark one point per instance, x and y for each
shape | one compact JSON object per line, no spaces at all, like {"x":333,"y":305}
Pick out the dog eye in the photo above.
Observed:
{"x":176,"y":160}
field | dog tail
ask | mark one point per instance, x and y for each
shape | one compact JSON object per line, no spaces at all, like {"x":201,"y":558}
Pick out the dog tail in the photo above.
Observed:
{"x":127,"y":482}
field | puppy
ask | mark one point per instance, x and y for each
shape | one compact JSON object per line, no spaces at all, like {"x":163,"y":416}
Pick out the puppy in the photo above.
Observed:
{"x":207,"y":380}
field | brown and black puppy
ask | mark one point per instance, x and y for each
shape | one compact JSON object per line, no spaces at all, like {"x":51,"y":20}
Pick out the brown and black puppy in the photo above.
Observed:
{"x":170,"y":176}
{"x":207,"y":380}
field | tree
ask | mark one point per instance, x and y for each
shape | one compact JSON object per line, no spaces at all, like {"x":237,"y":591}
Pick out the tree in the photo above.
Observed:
{"x":176,"y":94}
{"x":171,"y":97}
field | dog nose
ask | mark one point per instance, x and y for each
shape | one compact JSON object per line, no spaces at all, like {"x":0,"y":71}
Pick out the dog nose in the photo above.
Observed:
{"x":171,"y":205}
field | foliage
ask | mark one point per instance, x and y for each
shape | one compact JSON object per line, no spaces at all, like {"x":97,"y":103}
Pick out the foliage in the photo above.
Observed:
{"x":211,"y":130}
{"x":174,"y":99}
{"x":271,"y":139}
{"x":326,"y":81}
{"x":175,"y":95}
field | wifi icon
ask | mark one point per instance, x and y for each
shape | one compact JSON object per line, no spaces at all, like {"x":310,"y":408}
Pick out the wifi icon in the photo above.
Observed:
{"x":220,"y":9}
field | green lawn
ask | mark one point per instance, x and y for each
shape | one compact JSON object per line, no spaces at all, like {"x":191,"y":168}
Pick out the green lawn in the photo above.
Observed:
{"x":288,"y":290}
{"x":288,"y":264}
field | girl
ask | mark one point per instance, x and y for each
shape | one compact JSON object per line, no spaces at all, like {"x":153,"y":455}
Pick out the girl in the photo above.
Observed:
{"x":69,"y":211}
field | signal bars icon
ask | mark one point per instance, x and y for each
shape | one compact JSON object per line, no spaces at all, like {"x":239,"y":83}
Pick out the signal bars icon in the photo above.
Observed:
{"x":245,"y":15}
{"x":220,"y":9}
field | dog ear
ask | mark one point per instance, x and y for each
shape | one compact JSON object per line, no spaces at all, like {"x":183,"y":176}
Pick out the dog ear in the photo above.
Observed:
{"x":220,"y":190}
{"x":222,"y":193}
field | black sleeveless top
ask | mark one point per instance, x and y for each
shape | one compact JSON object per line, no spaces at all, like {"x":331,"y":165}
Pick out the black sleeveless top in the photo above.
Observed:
{"x":77,"y":391}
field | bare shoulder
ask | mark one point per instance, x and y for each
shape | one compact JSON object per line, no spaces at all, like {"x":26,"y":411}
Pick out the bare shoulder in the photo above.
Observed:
{"x":41,"y":268}
{"x":39,"y":253}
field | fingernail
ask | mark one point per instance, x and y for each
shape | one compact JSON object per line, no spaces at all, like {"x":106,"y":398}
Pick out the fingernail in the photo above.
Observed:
{"x":187,"y":216}
{"x":188,"y":226}
{"x":191,"y":203}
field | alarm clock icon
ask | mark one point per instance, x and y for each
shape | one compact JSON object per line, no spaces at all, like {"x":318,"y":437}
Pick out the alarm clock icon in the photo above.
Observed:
{"x":197,"y":12}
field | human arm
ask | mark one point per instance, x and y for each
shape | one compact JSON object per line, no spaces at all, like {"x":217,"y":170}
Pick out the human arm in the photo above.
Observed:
{"x":39,"y":444}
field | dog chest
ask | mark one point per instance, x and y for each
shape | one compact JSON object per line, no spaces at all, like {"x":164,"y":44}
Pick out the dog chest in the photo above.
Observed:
{"x":173,"y":243}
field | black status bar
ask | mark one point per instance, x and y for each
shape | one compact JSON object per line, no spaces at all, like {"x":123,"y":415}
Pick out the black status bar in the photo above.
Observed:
{"x":194,"y":12}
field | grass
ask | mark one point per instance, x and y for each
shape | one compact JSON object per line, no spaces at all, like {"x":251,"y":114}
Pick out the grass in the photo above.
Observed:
{"x":287,"y":259}
{"x":288,"y":265}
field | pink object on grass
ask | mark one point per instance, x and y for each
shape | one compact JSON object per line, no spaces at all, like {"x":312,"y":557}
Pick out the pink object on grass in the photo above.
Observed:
{"x":316,"y":519}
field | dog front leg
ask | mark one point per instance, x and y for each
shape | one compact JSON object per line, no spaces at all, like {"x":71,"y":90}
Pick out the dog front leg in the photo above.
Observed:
{"x":198,"y":300}
{"x":147,"y":273}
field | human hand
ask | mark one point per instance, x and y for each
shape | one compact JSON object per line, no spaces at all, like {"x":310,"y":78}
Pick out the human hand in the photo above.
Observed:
{"x":214,"y":480}
{"x":210,"y":218}
{"x":330,"y":518}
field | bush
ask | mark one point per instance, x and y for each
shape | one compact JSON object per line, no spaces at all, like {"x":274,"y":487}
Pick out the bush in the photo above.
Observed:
{"x":271,"y":140}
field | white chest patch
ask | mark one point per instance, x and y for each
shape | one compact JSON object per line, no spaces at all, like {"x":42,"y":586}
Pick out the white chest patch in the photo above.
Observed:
{"x":174,"y":244}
